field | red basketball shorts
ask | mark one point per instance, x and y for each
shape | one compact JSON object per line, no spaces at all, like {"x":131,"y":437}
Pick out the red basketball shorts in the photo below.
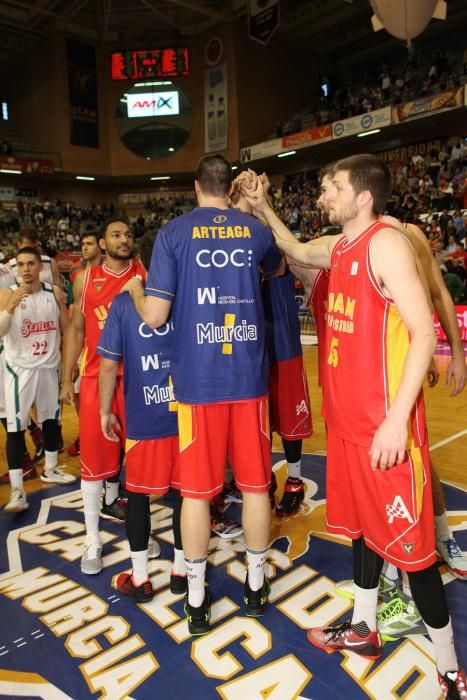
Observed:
{"x":152,"y":466}
{"x":289,"y":400}
{"x":100,"y":458}
{"x":210,"y":433}
{"x":391,"y":509}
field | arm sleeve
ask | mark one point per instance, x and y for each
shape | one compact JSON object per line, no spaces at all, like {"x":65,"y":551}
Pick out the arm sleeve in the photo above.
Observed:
{"x":110,"y":343}
{"x":162,"y":277}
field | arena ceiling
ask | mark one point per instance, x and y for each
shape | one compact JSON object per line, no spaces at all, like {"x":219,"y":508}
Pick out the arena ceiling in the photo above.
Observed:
{"x":332,"y":28}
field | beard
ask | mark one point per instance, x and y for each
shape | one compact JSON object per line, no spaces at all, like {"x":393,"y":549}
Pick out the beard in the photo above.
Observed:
{"x":115,"y":255}
{"x":343,"y":215}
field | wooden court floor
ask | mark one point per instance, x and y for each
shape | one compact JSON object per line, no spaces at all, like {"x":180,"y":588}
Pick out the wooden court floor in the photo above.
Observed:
{"x":447,"y":424}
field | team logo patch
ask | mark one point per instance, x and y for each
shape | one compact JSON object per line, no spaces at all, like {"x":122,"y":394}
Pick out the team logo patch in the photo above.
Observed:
{"x":408,"y":547}
{"x":354,"y":268}
{"x":98,"y":287}
{"x":398,"y":509}
{"x":220,"y":219}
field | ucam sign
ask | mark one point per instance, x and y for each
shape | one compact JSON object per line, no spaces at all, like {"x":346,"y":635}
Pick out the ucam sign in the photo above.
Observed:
{"x":153,"y":104}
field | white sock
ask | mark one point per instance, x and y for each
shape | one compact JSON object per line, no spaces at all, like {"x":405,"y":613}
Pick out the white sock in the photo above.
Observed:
{"x":255,"y":562}
{"x":111,"y":491}
{"x":139,"y":562}
{"x":178,"y":567}
{"x":365,"y":602}
{"x":196,"y":572}
{"x":406,"y":589}
{"x":390,"y":571}
{"x":16,"y":479}
{"x":91,"y":492}
{"x":294,"y":469}
{"x":51,"y":459}
{"x":443,"y":642}
{"x":441,"y":527}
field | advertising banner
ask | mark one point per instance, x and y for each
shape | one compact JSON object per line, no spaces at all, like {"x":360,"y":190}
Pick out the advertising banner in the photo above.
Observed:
{"x":461,"y":313}
{"x":27,"y":165}
{"x":153,"y":104}
{"x":362,"y":122}
{"x":260,"y":150}
{"x":216,"y":120}
{"x":401,"y":154}
{"x":263,"y":19}
{"x":82,"y":90}
{"x":309,"y":137}
{"x":449,"y":99}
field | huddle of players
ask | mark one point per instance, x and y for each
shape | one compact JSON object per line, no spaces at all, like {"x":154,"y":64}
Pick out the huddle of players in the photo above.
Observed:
{"x":379,"y":341}
{"x":219,"y":371}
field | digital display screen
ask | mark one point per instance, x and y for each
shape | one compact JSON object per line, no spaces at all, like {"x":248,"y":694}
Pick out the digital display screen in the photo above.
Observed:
{"x":151,"y":63}
{"x":153,"y":104}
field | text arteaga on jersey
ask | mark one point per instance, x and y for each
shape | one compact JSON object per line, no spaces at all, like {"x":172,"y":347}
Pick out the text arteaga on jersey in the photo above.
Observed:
{"x":221,"y":232}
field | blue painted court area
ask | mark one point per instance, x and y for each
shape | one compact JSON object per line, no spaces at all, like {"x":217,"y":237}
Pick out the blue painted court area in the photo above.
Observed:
{"x":66,"y":635}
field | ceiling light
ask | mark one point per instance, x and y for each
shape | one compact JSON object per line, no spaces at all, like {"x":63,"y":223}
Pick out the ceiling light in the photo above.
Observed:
{"x":84,"y":177}
{"x":287,"y":153}
{"x":234,"y":167}
{"x":171,"y":149}
{"x":11,"y":172}
{"x":368,"y":133}
{"x":160,"y":177}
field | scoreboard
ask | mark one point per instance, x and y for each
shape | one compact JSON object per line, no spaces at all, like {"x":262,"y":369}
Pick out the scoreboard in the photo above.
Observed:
{"x":151,"y":63}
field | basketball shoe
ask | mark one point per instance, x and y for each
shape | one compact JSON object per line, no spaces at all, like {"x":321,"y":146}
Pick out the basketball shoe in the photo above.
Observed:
{"x":225,"y":527}
{"x":294,"y":493}
{"x":387,"y":588}
{"x":73,"y":449}
{"x":57,"y":476}
{"x":453,"y":684}
{"x":178,"y":583}
{"x":91,"y":561}
{"x":256,"y":601}
{"x":114,"y":511}
{"x":142,"y":594}
{"x":29,"y":470}
{"x":453,"y":556}
{"x":198,"y":618}
{"x":347,"y":637}
{"x":399,"y":618}
{"x":17,"y":502}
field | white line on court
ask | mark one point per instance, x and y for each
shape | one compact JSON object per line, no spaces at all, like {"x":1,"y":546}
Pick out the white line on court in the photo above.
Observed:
{"x":449,"y":439}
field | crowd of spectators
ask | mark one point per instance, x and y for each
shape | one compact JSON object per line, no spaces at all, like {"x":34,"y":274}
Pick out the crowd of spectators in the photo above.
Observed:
{"x":429,"y":190}
{"x":61,"y":224}
{"x":378,"y":87}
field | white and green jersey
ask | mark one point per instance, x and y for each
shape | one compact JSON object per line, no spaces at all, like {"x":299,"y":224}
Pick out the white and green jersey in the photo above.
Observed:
{"x":33,"y":340}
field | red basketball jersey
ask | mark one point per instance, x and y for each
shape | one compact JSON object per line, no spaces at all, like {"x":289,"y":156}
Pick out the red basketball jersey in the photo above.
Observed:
{"x":366,"y":346}
{"x":317,"y":303}
{"x":100,"y":287}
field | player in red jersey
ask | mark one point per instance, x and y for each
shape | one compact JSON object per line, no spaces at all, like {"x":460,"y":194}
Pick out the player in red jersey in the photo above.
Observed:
{"x":94,"y":290}
{"x":91,"y":256}
{"x":380,"y":340}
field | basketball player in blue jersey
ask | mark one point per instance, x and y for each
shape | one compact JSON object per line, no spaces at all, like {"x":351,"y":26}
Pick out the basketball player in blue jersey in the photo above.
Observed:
{"x":152,"y":433}
{"x":289,"y":401}
{"x":205,"y":269}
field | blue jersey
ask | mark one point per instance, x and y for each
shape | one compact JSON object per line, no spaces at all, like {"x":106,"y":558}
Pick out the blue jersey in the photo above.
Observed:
{"x":150,"y":408}
{"x":207,"y":263}
{"x":282,"y":322}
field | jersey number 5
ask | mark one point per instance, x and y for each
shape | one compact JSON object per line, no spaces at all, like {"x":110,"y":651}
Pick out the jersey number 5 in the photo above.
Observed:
{"x":333,"y":358}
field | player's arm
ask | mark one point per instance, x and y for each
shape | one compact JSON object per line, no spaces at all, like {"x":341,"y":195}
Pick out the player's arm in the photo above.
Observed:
{"x":306,"y":275}
{"x":152,"y":310}
{"x":445,"y":310}
{"x":393,"y":263}
{"x":316,"y":253}
{"x":74,"y":342}
{"x":107,"y":381}
{"x":55,"y":274}
{"x":63,"y":320}
{"x":9,"y":300}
